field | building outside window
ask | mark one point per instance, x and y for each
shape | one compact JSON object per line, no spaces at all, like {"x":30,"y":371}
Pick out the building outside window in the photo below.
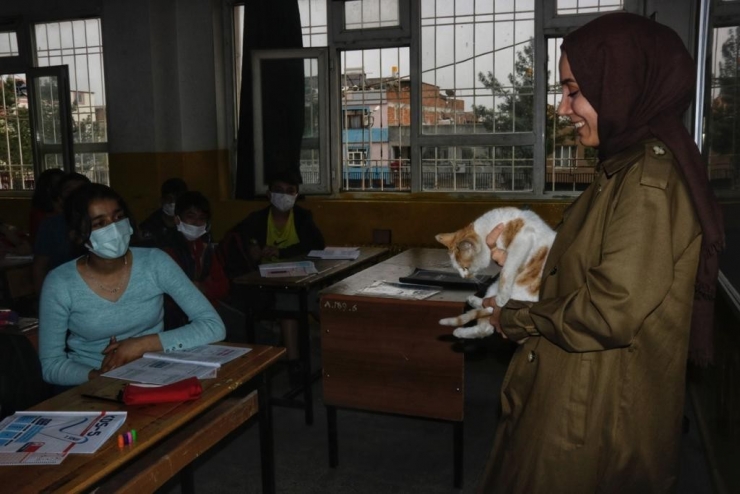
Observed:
{"x":460,"y":105}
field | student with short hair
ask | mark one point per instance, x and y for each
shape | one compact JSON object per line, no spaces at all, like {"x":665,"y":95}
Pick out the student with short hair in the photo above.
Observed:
{"x":158,"y":229}
{"x":279,"y":231}
{"x":193,"y":251}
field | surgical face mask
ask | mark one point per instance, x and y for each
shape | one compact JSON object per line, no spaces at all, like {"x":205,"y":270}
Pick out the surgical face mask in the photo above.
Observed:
{"x":283,"y":202}
{"x":111,"y":242}
{"x":191,"y":232}
{"x":169,"y":209}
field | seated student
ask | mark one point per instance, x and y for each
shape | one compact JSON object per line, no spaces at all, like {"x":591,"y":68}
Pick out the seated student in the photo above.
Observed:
{"x":192,"y":249}
{"x":279,"y":231}
{"x":42,"y":201}
{"x":52,"y":246}
{"x":13,"y":241}
{"x":159,"y":228}
{"x":104,"y":309}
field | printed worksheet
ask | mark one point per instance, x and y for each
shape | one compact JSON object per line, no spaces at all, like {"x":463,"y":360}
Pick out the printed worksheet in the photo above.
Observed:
{"x":33,"y":438}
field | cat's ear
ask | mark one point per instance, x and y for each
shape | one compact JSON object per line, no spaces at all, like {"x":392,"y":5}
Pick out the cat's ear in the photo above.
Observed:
{"x":446,"y":239}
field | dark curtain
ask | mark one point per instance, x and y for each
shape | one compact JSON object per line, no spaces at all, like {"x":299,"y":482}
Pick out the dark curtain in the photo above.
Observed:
{"x":271,"y":24}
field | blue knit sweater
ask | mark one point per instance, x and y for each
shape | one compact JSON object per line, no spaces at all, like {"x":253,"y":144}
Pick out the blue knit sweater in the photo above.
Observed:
{"x":75,"y":324}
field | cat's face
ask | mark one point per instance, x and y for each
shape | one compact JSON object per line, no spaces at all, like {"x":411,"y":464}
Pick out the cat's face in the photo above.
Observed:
{"x":468,"y":251}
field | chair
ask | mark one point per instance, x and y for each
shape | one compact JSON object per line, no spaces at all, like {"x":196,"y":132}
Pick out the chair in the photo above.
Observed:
{"x":21,"y":382}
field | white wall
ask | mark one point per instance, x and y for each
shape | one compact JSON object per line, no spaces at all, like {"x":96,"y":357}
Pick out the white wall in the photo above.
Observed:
{"x":161,"y":63}
{"x":161,"y":76}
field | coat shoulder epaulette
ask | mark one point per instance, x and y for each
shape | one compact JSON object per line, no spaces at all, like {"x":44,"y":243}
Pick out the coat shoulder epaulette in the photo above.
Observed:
{"x":657,"y":166}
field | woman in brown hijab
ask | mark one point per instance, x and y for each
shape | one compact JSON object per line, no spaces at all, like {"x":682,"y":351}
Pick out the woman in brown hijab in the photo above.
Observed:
{"x":593,"y":398}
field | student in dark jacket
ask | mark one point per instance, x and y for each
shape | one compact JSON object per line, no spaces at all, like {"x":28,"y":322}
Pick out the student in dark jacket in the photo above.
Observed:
{"x":159,"y":229}
{"x":193,"y":251}
{"x":280,"y":231}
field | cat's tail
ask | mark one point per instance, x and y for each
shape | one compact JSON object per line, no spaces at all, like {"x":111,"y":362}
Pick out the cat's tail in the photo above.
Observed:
{"x":465,"y":318}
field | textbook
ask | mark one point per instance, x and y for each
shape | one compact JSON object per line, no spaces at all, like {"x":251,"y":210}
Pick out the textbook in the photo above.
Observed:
{"x":350,"y":253}
{"x":287,"y":269}
{"x":46,"y":438}
{"x":169,"y":367}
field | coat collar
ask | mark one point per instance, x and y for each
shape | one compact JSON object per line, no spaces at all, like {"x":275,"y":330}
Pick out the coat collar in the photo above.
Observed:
{"x":625,"y":158}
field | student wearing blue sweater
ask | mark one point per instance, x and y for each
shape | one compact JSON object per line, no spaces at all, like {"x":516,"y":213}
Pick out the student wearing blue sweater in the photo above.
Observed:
{"x":105,"y":309}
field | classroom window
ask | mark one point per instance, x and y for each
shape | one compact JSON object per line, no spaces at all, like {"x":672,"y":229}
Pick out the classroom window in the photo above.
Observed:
{"x":722,"y":135}
{"x":462,"y":107}
{"x":375,"y":102}
{"x":79,"y":45}
{"x":567,"y":7}
{"x":16,"y":155}
{"x":8,"y":44}
{"x":366,"y":14}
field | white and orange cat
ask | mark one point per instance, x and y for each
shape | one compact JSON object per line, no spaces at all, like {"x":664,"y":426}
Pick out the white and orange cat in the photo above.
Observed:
{"x":526,"y":238}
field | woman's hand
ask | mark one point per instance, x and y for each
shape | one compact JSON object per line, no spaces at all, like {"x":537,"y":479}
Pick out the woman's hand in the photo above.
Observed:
{"x":497,"y":255}
{"x":120,"y":353}
{"x":495,"y":319}
{"x":93,"y":374}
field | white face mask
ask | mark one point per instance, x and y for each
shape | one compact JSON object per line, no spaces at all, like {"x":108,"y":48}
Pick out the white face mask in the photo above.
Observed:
{"x":283,"y":202}
{"x":111,"y":242}
{"x":191,"y":232}
{"x":169,"y":209}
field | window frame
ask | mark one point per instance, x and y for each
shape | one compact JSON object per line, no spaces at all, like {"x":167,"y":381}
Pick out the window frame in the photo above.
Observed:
{"x":322,"y":56}
{"x":712,"y":14}
{"x":66,"y":147}
{"x":547,"y":24}
{"x":26,"y":62}
{"x":383,"y":35}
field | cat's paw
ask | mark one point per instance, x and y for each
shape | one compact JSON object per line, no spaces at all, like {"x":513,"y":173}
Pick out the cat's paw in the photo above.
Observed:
{"x":475,"y":302}
{"x":449,"y":321}
{"x":479,"y":331}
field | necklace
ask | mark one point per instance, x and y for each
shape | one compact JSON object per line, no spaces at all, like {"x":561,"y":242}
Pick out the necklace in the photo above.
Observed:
{"x":106,"y":288}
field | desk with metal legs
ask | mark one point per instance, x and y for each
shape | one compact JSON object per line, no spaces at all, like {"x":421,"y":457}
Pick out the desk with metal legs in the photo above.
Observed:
{"x":329,"y":271}
{"x":391,"y":355}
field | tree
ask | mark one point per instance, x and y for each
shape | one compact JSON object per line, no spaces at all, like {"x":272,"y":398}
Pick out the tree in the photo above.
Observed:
{"x":516,"y":112}
{"x":15,"y":127}
{"x":725,"y":124}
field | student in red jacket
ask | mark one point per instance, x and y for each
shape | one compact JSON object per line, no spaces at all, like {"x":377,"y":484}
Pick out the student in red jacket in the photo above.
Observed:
{"x":192,"y":249}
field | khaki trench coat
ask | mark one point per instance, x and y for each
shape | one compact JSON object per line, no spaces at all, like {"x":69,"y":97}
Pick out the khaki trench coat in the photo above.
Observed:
{"x":593,"y":400}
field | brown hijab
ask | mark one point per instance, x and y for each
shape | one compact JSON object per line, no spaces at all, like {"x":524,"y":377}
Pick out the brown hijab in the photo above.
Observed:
{"x":639,"y":78}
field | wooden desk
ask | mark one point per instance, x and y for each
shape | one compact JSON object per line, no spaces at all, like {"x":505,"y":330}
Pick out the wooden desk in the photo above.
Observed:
{"x":170,"y":435}
{"x":329,"y":271}
{"x":389,"y":355}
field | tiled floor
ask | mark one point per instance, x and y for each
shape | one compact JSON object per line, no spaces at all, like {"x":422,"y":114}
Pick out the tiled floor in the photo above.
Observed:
{"x":382,"y":453}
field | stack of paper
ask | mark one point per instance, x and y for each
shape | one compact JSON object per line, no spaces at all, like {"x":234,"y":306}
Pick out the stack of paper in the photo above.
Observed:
{"x":281,"y":269}
{"x":45,"y":438}
{"x":351,"y":253}
{"x":169,"y":367}
{"x":407,"y":291}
